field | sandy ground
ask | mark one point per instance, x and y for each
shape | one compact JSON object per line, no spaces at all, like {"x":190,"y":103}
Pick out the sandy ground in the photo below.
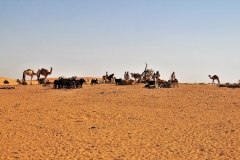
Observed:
{"x":120,"y":122}
{"x":11,"y":81}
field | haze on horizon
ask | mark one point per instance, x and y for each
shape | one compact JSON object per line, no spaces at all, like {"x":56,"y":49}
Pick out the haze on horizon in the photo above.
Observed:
{"x":89,"y":37}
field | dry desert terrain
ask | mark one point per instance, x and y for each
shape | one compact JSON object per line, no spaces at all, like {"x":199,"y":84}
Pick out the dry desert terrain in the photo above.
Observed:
{"x":120,"y":122}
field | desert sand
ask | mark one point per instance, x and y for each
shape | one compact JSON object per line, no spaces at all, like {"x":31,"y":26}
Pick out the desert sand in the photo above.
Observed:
{"x":120,"y":122}
{"x":11,"y":81}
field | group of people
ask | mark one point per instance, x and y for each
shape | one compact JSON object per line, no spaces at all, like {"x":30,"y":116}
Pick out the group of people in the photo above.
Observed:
{"x":155,"y":76}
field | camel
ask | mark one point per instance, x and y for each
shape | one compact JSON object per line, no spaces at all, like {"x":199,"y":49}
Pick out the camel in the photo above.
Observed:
{"x":28,"y":72}
{"x":160,"y":81}
{"x":109,"y":78}
{"x":136,"y":76}
{"x":215,"y":77}
{"x":43,"y":72}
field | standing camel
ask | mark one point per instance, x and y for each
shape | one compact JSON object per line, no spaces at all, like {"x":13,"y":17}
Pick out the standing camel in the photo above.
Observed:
{"x":215,"y":77}
{"x":28,"y":72}
{"x":43,"y":72}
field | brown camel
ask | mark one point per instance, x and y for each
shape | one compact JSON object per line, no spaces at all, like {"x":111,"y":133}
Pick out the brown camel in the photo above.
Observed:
{"x":28,"y":72}
{"x":43,"y":72}
{"x":161,"y":81}
{"x":215,"y":77}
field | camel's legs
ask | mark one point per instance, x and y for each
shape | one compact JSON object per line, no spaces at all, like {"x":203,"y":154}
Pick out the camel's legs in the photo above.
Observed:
{"x":24,"y":76}
{"x":31,"y":79}
{"x":213,"y":81}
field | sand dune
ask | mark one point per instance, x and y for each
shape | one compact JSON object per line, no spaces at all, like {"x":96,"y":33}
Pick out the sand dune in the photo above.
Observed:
{"x":34,"y":81}
{"x":11,"y":81}
{"x":120,"y":122}
{"x":14,"y":81}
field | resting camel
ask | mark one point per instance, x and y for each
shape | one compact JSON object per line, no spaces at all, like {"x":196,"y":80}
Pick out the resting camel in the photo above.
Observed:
{"x":215,"y":77}
{"x":43,"y":72}
{"x":29,"y":72}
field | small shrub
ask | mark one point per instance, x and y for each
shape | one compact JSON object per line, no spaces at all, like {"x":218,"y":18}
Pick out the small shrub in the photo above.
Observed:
{"x":41,"y":80}
{"x":6,"y":82}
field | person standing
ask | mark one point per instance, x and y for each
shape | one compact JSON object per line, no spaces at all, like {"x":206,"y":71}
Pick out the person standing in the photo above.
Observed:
{"x":154,"y":79}
{"x":172,"y":76}
{"x":125,"y":75}
{"x":157,"y":75}
{"x":106,"y":76}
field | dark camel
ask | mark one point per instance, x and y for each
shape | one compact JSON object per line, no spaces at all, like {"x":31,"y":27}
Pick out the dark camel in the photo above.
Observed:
{"x":215,"y":77}
{"x":43,"y":72}
{"x":107,"y":78}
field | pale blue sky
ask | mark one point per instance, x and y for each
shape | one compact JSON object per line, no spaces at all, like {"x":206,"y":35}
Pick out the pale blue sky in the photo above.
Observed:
{"x":194,"y":38}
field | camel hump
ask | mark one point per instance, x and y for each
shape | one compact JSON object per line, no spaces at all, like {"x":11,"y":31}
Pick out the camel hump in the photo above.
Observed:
{"x":27,"y":70}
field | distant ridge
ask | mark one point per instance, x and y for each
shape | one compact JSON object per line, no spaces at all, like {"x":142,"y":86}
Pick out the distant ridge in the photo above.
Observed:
{"x":34,"y":80}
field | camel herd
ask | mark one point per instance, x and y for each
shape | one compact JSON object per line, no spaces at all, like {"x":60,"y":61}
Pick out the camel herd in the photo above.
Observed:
{"x":45,"y":73}
{"x":68,"y":83}
{"x":31,"y":73}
